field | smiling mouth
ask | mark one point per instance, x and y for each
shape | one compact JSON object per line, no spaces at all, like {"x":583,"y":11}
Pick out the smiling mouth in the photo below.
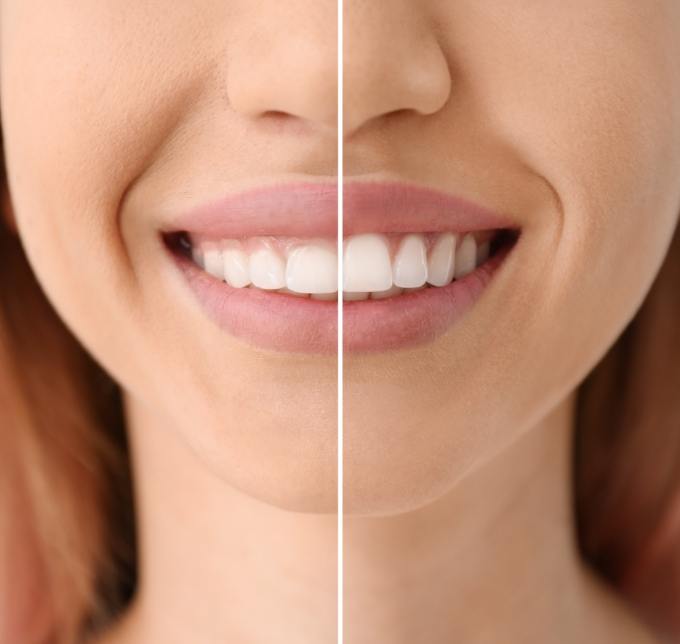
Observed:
{"x":376,"y":266}
{"x":263,"y":264}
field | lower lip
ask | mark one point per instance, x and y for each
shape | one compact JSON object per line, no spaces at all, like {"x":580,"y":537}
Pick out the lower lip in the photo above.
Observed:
{"x":285,"y":323}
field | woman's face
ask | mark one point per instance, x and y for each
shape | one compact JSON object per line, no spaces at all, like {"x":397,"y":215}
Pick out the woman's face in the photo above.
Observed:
{"x":122,"y":118}
{"x":565,"y":116}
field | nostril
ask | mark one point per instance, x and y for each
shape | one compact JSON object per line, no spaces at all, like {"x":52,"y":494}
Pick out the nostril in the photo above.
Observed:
{"x":281,"y":118}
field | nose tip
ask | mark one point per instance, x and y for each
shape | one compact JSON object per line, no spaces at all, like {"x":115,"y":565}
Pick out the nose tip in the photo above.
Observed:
{"x":393,"y":68}
{"x":296,"y":78}
{"x":421,"y":90}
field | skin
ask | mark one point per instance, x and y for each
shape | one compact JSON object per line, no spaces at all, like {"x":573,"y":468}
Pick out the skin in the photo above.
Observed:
{"x":565,"y":116}
{"x":472,"y":97}
{"x":125,"y":110}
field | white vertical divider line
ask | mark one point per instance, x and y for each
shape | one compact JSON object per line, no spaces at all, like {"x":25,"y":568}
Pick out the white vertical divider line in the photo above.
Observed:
{"x":340,"y":328}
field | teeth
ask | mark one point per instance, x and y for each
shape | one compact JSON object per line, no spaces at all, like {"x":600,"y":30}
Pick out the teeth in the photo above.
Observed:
{"x":289,"y":292}
{"x":350,"y":296}
{"x":267,"y":269}
{"x":212,"y":261}
{"x":410,"y":263}
{"x":312,"y":269}
{"x":466,"y":256}
{"x":375,"y":266}
{"x":390,"y":292}
{"x":197,"y":256}
{"x":236,"y":271}
{"x":367,"y":264}
{"x":441,"y":265}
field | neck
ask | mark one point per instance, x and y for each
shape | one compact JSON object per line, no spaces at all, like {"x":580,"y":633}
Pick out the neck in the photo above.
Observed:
{"x":495,"y":555}
{"x":217,"y":565}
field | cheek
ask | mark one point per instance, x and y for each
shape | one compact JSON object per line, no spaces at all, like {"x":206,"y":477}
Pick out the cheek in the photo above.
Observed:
{"x":595,"y":111}
{"x":82,"y":115}
{"x":593,"y":106}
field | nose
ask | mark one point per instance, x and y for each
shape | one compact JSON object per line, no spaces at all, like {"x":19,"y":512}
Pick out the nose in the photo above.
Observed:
{"x":392,"y":63}
{"x":288,"y":68}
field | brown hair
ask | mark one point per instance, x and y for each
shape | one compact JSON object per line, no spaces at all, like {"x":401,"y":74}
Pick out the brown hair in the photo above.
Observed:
{"x":627,"y":456}
{"x":62,"y":416}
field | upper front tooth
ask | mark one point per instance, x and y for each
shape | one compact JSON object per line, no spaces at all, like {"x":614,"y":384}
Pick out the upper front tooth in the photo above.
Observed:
{"x":466,"y":256}
{"x":410,"y":263}
{"x":367,"y":265}
{"x":267,"y":268}
{"x":312,"y":268}
{"x":236,"y":271}
{"x":212,"y":259}
{"x":390,"y":292}
{"x":441,"y":265}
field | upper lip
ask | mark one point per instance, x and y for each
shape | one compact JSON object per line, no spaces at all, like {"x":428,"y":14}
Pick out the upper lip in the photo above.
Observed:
{"x":388,"y":206}
{"x":310,"y":209}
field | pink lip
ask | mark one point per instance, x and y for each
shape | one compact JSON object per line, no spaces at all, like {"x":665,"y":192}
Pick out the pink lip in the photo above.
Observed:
{"x":296,"y":210}
{"x":399,"y":207}
{"x":287,"y":323}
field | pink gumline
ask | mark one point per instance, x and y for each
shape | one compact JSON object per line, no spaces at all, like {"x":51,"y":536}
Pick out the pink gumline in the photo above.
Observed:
{"x":284,"y":245}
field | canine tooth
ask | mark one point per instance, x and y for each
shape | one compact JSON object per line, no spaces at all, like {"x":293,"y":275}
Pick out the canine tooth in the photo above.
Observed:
{"x":483,"y":252}
{"x":267,"y":269}
{"x":197,"y":256}
{"x":212,"y":258}
{"x":351,"y":296}
{"x":367,"y":264}
{"x":442,"y":262}
{"x":236,"y":271}
{"x":465,"y":256}
{"x":312,"y":268}
{"x":410,"y":262}
{"x":390,"y":292}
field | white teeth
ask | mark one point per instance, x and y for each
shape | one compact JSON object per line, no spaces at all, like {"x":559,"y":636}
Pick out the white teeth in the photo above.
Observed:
{"x":197,"y":256}
{"x":350,"y":296}
{"x":466,"y":256}
{"x":289,"y":292}
{"x":390,"y":292}
{"x":410,"y":262}
{"x":212,"y":260}
{"x":376,"y":266}
{"x":367,"y":264}
{"x":267,"y":269}
{"x":312,"y":268}
{"x":236,"y":271}
{"x":441,"y":265}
